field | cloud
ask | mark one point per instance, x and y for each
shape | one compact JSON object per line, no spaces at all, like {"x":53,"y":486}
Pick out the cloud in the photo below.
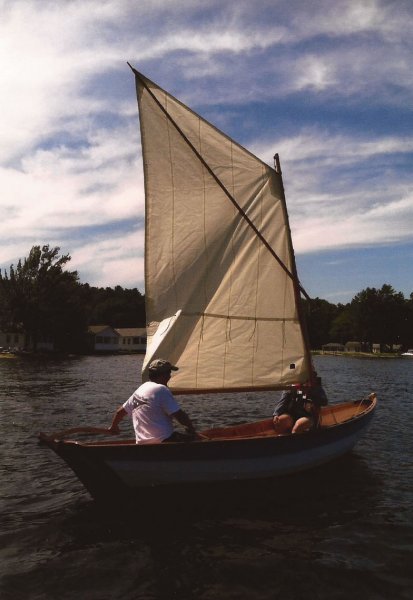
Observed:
{"x":71,"y":172}
{"x":331,"y":203}
{"x":59,"y":193}
{"x":111,"y":262}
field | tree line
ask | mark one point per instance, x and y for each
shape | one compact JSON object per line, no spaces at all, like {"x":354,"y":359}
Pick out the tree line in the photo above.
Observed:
{"x":45,"y":300}
{"x":374,"y":316}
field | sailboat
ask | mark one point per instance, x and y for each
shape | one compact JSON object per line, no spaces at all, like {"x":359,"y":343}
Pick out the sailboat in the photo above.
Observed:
{"x":223,"y":301}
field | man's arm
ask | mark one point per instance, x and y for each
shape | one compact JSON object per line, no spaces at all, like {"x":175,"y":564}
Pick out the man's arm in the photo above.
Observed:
{"x":182,"y":418}
{"x":282,"y":404}
{"x":117,"y":418}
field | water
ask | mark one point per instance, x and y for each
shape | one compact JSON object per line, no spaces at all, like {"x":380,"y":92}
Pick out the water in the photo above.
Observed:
{"x":344,"y":530}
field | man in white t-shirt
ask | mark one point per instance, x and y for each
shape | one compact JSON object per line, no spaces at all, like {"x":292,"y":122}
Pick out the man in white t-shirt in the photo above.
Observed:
{"x":153,"y":408}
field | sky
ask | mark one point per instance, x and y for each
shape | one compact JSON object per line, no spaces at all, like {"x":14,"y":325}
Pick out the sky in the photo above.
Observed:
{"x":327,"y":85}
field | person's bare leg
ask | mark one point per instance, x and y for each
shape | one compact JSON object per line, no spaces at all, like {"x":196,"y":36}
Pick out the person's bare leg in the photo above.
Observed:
{"x":283,"y":424}
{"x":302,"y":424}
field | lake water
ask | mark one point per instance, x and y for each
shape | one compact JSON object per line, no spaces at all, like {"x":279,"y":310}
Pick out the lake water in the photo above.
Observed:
{"x":341,"y":531}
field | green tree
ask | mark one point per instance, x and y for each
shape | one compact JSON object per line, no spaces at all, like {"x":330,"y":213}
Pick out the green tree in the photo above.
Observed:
{"x":320,"y":315}
{"x":343,"y":328}
{"x":379,"y":315}
{"x":45,"y":300}
{"x":407,"y":327}
{"x":117,"y":307}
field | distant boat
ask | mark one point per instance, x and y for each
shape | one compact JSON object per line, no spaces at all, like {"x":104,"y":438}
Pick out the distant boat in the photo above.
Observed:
{"x":408,"y":353}
{"x":224,"y":303}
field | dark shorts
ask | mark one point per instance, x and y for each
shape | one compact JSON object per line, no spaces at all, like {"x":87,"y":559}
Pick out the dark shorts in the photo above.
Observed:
{"x":299,"y":414}
{"x":308,"y":416}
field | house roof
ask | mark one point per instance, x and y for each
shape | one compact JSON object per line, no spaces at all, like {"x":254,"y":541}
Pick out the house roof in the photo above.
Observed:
{"x":121,"y":331}
{"x":96,"y":329}
{"x":131,"y":331}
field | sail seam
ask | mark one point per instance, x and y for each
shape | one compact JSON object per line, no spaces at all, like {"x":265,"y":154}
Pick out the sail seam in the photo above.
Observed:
{"x":201,"y":335}
{"x":231,"y":269}
{"x":239,"y":318}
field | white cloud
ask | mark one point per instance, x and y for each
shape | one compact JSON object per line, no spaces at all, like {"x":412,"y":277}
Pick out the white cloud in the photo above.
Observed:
{"x":69,"y":134}
{"x":110,"y":262}
{"x":330,"y":206}
{"x":61,"y":192}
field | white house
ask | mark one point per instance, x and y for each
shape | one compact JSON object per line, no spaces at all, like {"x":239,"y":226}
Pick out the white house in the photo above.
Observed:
{"x":132,"y":339}
{"x":12,"y":341}
{"x":333,"y":347}
{"x":104,"y":338}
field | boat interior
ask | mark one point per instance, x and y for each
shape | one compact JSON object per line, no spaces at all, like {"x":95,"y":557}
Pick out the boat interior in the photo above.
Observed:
{"x":330,"y":416}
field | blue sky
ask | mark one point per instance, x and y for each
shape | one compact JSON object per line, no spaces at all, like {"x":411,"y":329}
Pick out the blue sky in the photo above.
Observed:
{"x":327,"y":85}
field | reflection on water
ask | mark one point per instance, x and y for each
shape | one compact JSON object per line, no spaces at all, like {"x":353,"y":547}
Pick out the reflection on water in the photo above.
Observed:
{"x":343,"y":530}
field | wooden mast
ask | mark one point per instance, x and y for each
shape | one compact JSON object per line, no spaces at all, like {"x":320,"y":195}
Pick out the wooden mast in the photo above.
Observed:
{"x":297,"y":287}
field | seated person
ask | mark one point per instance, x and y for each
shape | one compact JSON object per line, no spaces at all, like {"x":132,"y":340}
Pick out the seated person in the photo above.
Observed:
{"x":298,"y":408}
{"x":153,"y":409}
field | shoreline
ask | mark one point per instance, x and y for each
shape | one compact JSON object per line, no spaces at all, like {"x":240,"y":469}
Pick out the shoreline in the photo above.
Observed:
{"x":357,"y":354}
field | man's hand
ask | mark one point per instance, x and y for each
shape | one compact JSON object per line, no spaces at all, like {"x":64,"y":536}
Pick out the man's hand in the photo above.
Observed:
{"x":114,"y":430}
{"x":117,"y":418}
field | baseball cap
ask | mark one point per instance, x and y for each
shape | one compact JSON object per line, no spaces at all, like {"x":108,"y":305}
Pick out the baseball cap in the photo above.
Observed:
{"x":161,"y":366}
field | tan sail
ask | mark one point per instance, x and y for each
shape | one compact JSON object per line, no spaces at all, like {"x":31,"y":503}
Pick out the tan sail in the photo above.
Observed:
{"x":219,"y":267}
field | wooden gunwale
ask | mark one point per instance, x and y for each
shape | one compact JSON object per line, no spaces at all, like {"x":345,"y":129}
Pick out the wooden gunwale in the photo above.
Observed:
{"x":331,"y":417}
